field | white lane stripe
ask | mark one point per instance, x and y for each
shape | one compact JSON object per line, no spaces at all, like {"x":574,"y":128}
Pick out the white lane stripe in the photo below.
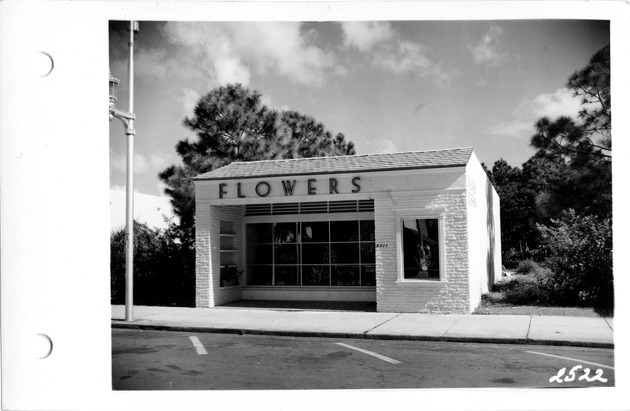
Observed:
{"x":198,"y":345}
{"x":573,"y":359}
{"x":373,"y":354}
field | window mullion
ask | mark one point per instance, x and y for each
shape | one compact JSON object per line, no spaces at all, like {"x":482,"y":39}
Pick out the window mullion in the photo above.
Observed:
{"x":329,"y":256}
{"x":273,"y":255}
{"x":360,"y":267}
{"x":298,"y":230}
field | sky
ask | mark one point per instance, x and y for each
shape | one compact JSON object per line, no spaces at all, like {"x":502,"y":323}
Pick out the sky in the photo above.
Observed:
{"x":388,"y":86}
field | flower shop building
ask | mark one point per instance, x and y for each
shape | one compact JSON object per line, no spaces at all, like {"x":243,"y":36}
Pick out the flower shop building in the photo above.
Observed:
{"x":414,"y":231}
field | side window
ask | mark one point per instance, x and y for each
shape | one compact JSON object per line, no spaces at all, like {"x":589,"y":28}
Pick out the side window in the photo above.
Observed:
{"x":420,"y":248}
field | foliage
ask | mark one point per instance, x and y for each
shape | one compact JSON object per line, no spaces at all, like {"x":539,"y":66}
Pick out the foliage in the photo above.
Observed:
{"x":527,"y":267}
{"x":578,"y":250}
{"x":570,"y":169}
{"x":523,"y":290}
{"x":571,"y":139}
{"x":576,"y":270}
{"x":517,"y":208}
{"x":230,"y":276}
{"x":527,"y":293}
{"x":582,"y":147}
{"x":164,"y":270}
{"x":231,"y":123}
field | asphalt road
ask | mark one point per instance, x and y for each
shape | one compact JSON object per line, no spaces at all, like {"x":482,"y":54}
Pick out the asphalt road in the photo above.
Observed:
{"x":167,"y":360}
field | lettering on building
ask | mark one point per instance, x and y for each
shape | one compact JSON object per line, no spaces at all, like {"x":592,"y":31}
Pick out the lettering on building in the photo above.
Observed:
{"x":312,"y":187}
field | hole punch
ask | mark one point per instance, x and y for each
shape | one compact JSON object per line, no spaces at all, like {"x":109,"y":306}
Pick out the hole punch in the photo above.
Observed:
{"x":42,"y":64}
{"x":41,"y":346}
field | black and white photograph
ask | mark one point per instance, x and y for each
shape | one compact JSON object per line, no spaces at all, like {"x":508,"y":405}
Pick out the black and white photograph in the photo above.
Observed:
{"x":362,"y":205}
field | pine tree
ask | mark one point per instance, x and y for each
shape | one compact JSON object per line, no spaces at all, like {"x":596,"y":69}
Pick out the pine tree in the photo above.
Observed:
{"x":582,"y":146}
{"x":232,"y":124}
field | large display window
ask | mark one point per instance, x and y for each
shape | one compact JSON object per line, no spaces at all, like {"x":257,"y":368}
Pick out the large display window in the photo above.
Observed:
{"x":311,"y":253}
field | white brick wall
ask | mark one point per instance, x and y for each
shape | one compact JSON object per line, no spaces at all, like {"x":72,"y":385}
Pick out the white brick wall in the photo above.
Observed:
{"x":484,"y":232}
{"x":448,"y":296}
{"x":208,"y":265}
{"x":202,"y":255}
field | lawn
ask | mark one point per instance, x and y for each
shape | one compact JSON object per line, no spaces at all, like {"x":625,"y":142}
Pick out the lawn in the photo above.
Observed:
{"x":494,"y":303}
{"x":507,"y":309}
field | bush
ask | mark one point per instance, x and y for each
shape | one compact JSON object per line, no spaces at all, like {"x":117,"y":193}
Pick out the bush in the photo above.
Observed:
{"x":523,"y":290}
{"x":527,"y":267}
{"x":578,"y":251}
{"x":531,"y":267}
{"x":526,"y":291}
{"x":164,"y":266}
{"x":512,"y":258}
{"x":576,"y":267}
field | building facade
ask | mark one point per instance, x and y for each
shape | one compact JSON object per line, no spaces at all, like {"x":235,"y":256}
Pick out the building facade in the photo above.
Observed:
{"x":414,"y":232}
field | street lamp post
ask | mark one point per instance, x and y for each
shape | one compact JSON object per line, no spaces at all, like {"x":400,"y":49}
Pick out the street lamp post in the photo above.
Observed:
{"x":127,"y":118}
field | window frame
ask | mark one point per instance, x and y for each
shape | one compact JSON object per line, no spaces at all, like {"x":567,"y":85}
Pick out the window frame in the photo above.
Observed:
{"x":300,"y":218}
{"x":436,"y":213}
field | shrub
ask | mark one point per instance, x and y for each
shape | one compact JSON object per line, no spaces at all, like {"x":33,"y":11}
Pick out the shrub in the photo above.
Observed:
{"x":578,"y":251}
{"x":527,"y":267}
{"x":532,"y":268}
{"x":527,"y":290}
{"x":523,"y":290}
{"x":512,"y":258}
{"x":164,"y":266}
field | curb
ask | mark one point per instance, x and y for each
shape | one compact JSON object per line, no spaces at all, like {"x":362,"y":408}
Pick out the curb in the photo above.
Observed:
{"x":361,"y":336}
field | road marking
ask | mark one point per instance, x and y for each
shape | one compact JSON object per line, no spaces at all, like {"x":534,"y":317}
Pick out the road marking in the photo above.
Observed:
{"x":198,"y":345}
{"x":373,"y":354}
{"x":573,"y":359}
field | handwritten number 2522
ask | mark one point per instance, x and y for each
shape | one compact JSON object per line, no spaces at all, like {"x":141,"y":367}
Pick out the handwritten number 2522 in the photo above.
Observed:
{"x":571,"y":376}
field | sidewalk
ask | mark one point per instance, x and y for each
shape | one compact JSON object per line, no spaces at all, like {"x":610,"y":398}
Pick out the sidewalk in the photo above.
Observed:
{"x":512,"y":329}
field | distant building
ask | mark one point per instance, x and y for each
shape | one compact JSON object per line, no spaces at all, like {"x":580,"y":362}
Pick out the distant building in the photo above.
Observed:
{"x":148,"y":209}
{"x":415,"y":231}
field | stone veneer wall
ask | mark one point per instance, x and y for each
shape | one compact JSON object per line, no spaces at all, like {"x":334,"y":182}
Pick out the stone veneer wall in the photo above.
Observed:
{"x":208,"y":290}
{"x":449,"y":296}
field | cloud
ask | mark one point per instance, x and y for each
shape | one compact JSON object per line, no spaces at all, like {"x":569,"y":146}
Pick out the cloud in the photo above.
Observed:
{"x":232,"y":52}
{"x":559,"y":103}
{"x":386,"y":146}
{"x":161,"y":187}
{"x":387,"y":49}
{"x":383,"y":145}
{"x":266,"y":100}
{"x":366,"y":34}
{"x":517,"y":128}
{"x":189,"y":99}
{"x":117,"y":161}
{"x":158,"y":161}
{"x":152,"y":63}
{"x":486,"y":51}
{"x":118,"y":68}
{"x":141,"y":163}
{"x":408,"y":57}
{"x":230,"y":69}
